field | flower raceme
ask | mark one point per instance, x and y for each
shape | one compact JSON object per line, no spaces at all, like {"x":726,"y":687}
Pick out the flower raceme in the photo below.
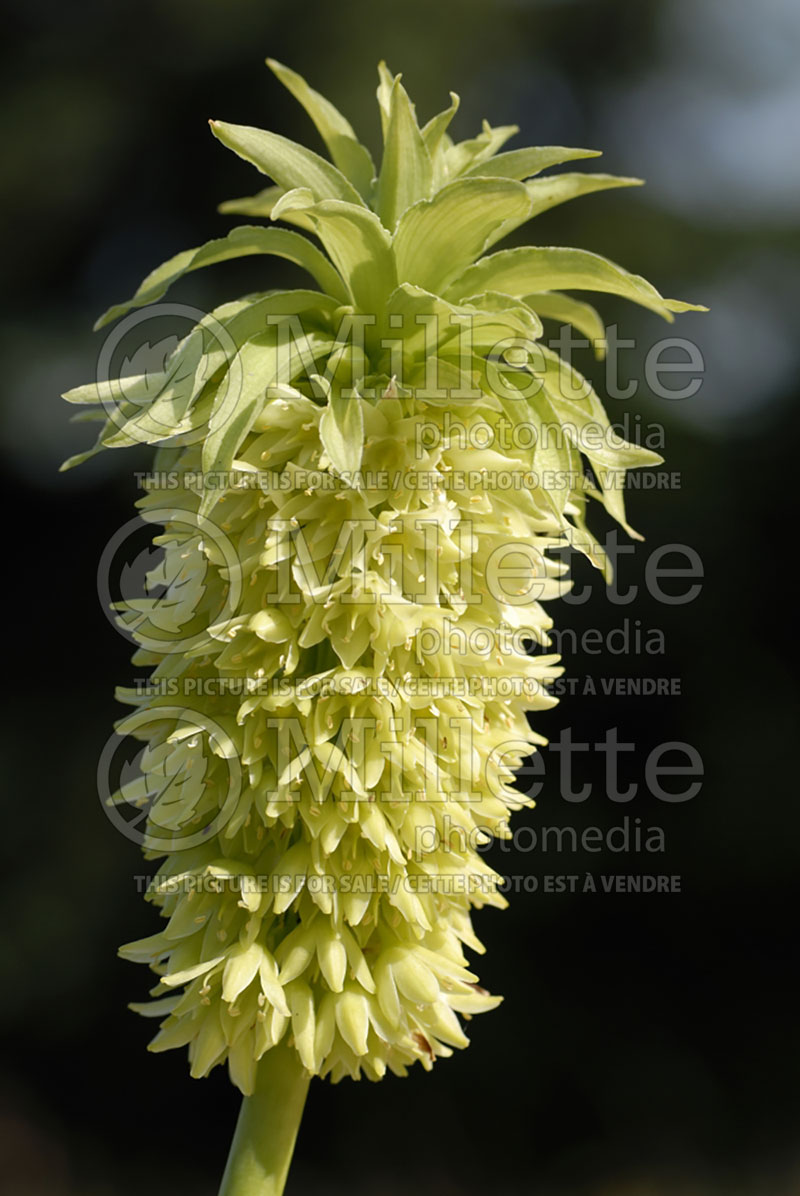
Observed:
{"x":361,"y":586}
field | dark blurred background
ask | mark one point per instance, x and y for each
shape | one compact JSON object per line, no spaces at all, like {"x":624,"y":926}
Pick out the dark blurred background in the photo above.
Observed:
{"x":648,"y":1044}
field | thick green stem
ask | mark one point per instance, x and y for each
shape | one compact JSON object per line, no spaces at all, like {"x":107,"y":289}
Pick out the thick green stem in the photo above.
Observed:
{"x":265,"y":1135}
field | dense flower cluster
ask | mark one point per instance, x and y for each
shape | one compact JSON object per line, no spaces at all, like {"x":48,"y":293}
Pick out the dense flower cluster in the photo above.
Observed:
{"x":330,"y":598}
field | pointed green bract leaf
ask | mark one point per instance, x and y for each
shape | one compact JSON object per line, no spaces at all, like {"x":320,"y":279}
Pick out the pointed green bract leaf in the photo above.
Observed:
{"x":580,"y":409}
{"x":112,"y":390}
{"x":87,"y":417}
{"x":434,"y":134}
{"x":358,"y":244}
{"x":384,"y":93}
{"x":351,"y":157}
{"x":468,"y":216}
{"x":240,"y":242}
{"x":261,"y":364}
{"x":315,"y":309}
{"x":260,"y":204}
{"x":341,"y":430}
{"x":478,"y":149}
{"x":588,"y":428}
{"x":208,"y":362}
{"x":292,"y":204}
{"x":429,"y":322}
{"x":524,"y":163}
{"x":244,"y":394}
{"x":552,"y":453}
{"x":81,"y":458}
{"x":220,"y":448}
{"x":180,"y":408}
{"x":438,"y":125}
{"x":263,"y":204}
{"x":582,"y":540}
{"x":510,"y":315}
{"x":157,"y":410}
{"x":555,"y":189}
{"x":678,"y":305}
{"x":437,"y":238}
{"x":530,"y":268}
{"x":554,"y":306}
{"x":406,"y":170}
{"x":289,"y":164}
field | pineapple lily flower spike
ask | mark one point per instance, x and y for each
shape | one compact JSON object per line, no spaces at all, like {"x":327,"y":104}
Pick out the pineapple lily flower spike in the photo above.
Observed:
{"x":339,"y":538}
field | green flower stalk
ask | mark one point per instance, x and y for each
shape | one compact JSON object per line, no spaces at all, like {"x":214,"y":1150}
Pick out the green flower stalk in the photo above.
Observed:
{"x":375,"y":475}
